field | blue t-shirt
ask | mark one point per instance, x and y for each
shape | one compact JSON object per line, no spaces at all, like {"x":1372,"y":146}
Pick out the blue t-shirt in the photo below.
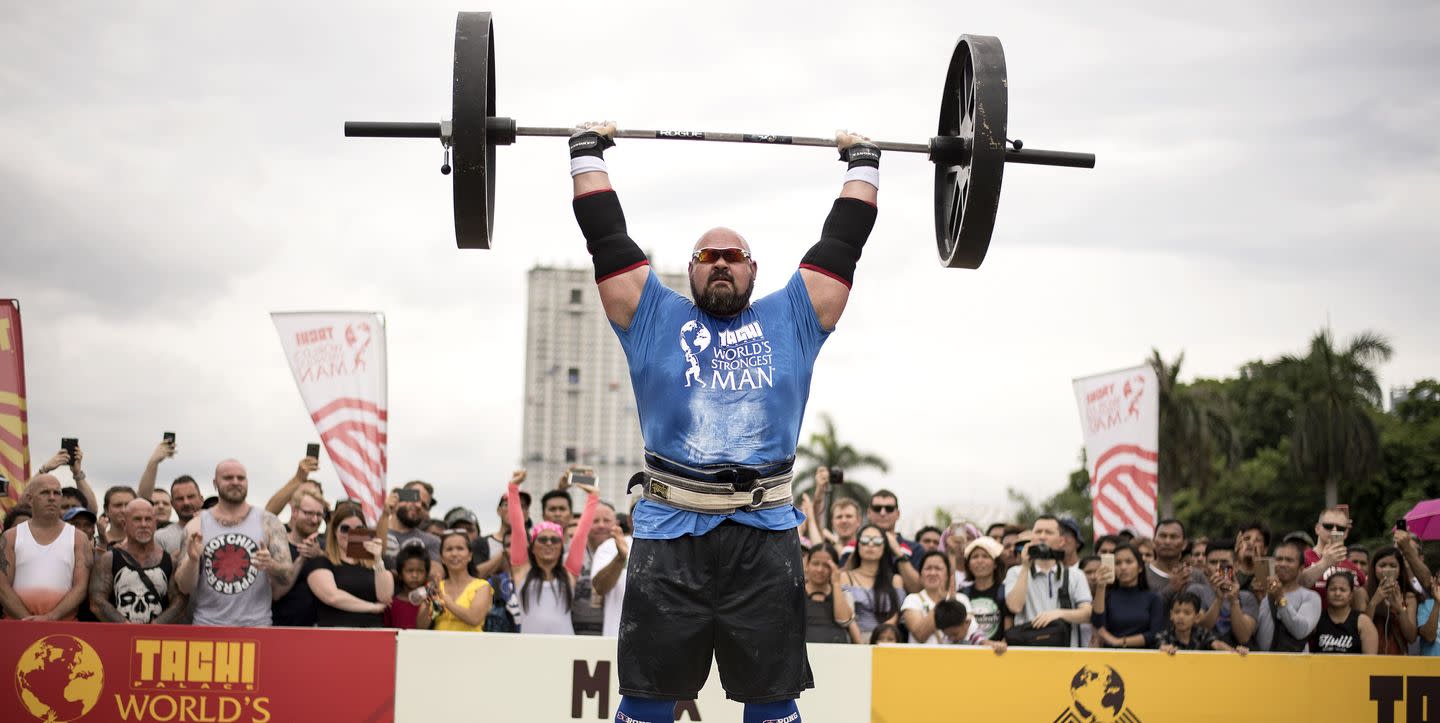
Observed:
{"x":1422,"y":616}
{"x":720,"y":391}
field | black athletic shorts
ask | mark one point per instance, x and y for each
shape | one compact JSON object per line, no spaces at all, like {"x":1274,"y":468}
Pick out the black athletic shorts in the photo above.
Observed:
{"x":736,"y":592}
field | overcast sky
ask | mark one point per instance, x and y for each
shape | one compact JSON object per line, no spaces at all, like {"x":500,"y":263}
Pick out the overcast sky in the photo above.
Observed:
{"x":173,"y":172}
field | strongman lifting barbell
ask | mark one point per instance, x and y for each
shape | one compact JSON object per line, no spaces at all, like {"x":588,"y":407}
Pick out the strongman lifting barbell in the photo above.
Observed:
{"x":969,"y":152}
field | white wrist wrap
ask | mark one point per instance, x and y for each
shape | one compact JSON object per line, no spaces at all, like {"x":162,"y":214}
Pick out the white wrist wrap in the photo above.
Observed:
{"x":587,"y":164}
{"x":868,"y":174}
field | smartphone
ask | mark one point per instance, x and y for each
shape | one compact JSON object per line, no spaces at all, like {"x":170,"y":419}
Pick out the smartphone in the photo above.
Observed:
{"x":1265,"y":570}
{"x":1389,"y":575}
{"x":70,"y":444}
{"x":355,"y":548}
{"x":169,"y":437}
{"x":1107,"y":561}
{"x":581,"y":478}
{"x":4,"y":485}
{"x":408,"y":494}
{"x":1229,"y":572}
{"x":1402,"y":525}
{"x":312,"y":450}
{"x":837,"y":476}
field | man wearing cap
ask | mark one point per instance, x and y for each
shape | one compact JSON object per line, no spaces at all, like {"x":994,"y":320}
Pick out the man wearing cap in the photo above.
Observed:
{"x":46,"y":562}
{"x":1071,"y":541}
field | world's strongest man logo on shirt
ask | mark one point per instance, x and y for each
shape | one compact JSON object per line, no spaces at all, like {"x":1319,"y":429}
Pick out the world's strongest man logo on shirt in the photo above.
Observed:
{"x":229,"y":566}
{"x":740,"y":359}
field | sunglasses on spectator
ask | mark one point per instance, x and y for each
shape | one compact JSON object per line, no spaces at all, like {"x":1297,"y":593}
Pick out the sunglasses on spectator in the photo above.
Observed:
{"x":709,"y":256}
{"x":872,"y":541}
{"x":548,"y":540}
{"x":884,"y":508}
{"x":1331,"y":526}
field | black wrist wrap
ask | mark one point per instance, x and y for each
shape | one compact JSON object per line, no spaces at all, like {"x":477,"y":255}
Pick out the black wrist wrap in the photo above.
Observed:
{"x":603,"y":225}
{"x":841,"y":239}
{"x":861,"y":154}
{"x":589,"y":143}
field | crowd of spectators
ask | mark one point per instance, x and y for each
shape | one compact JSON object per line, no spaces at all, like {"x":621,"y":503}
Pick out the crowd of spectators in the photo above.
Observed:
{"x":150,"y":555}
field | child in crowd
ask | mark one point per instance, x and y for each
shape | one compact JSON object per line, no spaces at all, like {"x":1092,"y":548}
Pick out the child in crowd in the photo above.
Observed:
{"x":885,"y":633}
{"x":410,"y":609}
{"x":1184,"y":634}
{"x":953,"y":623}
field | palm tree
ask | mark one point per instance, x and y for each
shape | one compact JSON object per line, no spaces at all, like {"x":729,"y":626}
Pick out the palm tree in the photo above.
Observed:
{"x":1195,"y":428}
{"x":1334,"y":436}
{"x":826,"y":450}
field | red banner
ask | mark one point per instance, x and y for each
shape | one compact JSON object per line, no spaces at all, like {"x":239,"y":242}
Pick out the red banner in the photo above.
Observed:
{"x":110,"y":672}
{"x":14,"y":434}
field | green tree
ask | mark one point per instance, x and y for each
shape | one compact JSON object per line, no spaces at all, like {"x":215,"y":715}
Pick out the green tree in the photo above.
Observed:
{"x":1194,"y":430}
{"x":824,"y":449}
{"x":1335,"y":437}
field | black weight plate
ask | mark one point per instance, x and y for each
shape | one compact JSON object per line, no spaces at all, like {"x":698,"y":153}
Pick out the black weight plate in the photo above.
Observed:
{"x":967,"y":190}
{"x":472,"y":102}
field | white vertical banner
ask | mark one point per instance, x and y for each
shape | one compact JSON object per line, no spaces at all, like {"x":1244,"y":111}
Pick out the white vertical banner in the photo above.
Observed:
{"x":1120,"y":417}
{"x":338,"y":359}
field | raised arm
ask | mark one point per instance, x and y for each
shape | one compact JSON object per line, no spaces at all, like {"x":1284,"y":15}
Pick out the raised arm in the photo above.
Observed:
{"x":189,"y":570}
{"x":575,"y":561}
{"x":163,"y":451}
{"x":828,"y":268}
{"x":621,"y":268}
{"x":519,"y":554}
{"x":276,"y":504}
{"x":608,"y":575}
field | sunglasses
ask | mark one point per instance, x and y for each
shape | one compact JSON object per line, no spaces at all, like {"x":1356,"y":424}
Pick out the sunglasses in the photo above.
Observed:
{"x":884,"y":508}
{"x":872,"y":541}
{"x":1331,"y":526}
{"x":731,"y":255}
{"x":547,"y":540}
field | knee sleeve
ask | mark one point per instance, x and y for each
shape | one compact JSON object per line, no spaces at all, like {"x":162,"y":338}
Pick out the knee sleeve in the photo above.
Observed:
{"x":645,"y":710}
{"x":781,"y":711}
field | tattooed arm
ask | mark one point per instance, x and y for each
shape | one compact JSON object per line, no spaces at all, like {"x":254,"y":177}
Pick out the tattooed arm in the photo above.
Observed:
{"x":174,"y":609}
{"x":279,"y":567}
{"x":102,"y":589}
{"x":10,"y":603}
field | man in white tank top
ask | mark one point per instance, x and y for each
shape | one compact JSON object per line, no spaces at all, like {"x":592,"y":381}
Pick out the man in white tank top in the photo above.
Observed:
{"x":236,"y":556}
{"x":46,"y":565}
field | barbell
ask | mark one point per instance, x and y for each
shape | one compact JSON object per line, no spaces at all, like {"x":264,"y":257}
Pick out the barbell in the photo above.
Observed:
{"x":969,"y":150}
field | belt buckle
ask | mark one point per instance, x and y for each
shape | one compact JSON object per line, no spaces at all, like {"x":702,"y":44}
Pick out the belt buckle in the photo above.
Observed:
{"x":757,"y":498}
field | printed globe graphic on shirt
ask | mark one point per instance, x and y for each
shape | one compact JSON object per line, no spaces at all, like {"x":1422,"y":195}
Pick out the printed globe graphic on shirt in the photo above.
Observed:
{"x":229,"y":569}
{"x":59,"y":678}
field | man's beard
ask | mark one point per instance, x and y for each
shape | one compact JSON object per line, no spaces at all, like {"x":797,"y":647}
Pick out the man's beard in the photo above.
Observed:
{"x":409,"y":518}
{"x":233,"y":495}
{"x":721,"y":301}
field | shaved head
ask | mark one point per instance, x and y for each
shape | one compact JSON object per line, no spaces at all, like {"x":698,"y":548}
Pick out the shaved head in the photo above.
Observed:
{"x":43,"y":491}
{"x":722,"y":288}
{"x":232,"y":484}
{"x":140,"y":521}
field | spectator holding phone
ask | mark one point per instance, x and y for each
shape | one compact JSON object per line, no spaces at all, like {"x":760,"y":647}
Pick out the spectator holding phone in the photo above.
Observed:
{"x":1330,"y":554}
{"x":1252,"y":542}
{"x":462,"y":599}
{"x":413,"y":503}
{"x":1127,"y":613}
{"x":829,"y":612}
{"x":498,"y":542}
{"x":872,"y":581}
{"x":1289,"y":612}
{"x":410,"y":608}
{"x":1228,"y":610}
{"x":544,"y":585}
{"x":353,"y":588}
{"x":986,"y":589}
{"x":63,"y":458}
{"x":296,"y":606}
{"x":1393,"y":604}
{"x":587,"y":615}
{"x":1343,"y":629}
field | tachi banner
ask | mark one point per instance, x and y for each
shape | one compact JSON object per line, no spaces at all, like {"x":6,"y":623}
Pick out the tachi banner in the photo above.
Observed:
{"x":14,"y":431}
{"x":338,"y":359}
{"x":1120,"y":416}
{"x":64,"y":672}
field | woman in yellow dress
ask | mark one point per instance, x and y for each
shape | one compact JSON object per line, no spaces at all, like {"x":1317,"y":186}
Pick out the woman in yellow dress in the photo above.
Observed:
{"x":462,"y":600}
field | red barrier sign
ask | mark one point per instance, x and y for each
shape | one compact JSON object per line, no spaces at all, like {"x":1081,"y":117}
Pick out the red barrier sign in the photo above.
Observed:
{"x":66,"y":672}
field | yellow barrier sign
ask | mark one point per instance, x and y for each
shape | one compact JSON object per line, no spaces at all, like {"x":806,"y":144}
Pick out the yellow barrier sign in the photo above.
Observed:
{"x":917,"y":684}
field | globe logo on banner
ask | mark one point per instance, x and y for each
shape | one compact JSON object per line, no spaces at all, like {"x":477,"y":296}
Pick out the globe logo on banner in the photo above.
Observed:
{"x":338,"y":360}
{"x":1120,"y":417}
{"x":1098,"y":695}
{"x":59,"y":678}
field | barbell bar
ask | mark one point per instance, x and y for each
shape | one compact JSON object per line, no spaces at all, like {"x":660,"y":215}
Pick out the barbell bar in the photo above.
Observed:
{"x":969,"y":150}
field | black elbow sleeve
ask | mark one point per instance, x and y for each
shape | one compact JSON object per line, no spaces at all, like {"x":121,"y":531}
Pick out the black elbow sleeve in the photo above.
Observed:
{"x":603,"y":224}
{"x":841,"y":240}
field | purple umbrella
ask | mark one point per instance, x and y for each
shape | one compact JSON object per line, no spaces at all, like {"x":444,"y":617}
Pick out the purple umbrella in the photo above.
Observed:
{"x":1424,"y":520}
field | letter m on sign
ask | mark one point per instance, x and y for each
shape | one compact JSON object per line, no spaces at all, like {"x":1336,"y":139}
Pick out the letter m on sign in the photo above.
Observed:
{"x":588,"y":685}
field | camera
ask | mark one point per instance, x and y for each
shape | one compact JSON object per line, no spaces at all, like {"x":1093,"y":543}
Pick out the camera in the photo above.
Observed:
{"x":1042,"y":551}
